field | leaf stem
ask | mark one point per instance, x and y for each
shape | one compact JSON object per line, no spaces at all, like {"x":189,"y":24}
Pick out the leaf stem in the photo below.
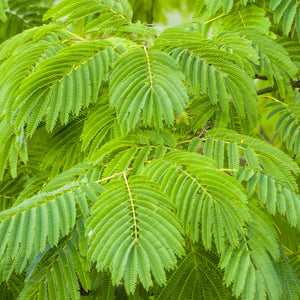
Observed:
{"x":75,"y":35}
{"x":149,"y":68}
{"x":113,"y":176}
{"x":211,"y":20}
{"x":132,"y":207}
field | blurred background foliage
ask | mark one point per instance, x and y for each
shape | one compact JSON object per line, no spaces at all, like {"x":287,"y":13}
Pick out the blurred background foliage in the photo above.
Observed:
{"x":169,"y":12}
{"x":19,"y":15}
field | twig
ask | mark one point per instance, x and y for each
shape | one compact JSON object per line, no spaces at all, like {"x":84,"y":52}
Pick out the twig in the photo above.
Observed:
{"x":114,"y":176}
{"x":263,"y":133}
{"x":203,"y":132}
{"x":273,"y":138}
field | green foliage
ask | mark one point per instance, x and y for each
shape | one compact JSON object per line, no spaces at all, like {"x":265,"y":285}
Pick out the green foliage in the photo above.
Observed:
{"x":19,"y":15}
{"x":288,"y":124}
{"x":202,"y":194}
{"x":48,"y":274}
{"x":128,"y":238}
{"x":196,"y":277}
{"x":143,"y":162}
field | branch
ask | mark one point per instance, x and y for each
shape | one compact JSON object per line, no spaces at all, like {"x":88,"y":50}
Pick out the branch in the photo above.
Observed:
{"x":266,"y":90}
{"x":262,"y":77}
{"x":294,"y":84}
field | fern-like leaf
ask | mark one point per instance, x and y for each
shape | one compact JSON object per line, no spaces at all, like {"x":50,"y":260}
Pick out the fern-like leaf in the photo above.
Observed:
{"x":55,"y":273}
{"x":69,"y":88}
{"x":196,"y":277}
{"x":124,"y":220}
{"x":190,"y":180}
{"x":154,"y":88}
{"x":273,"y":161}
{"x":255,"y":260}
{"x":214,"y":74}
{"x":288,"y":124}
{"x":289,"y":12}
{"x":26,"y":228}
